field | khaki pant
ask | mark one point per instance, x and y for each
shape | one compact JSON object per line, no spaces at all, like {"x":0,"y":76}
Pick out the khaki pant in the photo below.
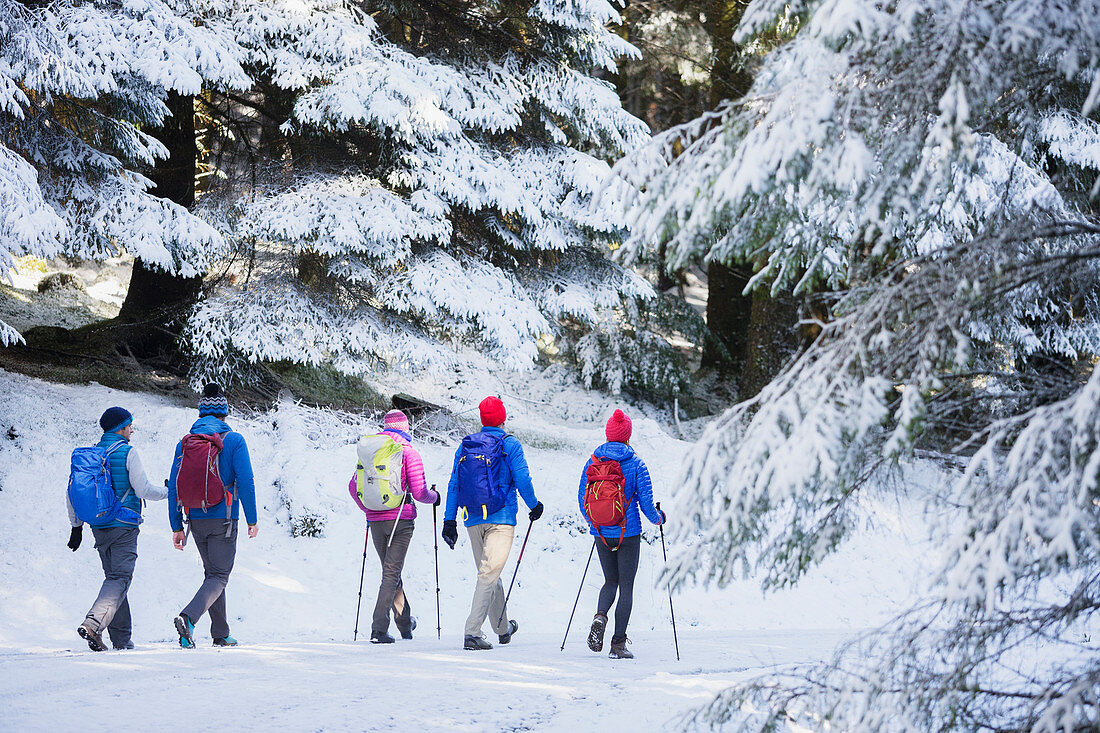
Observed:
{"x":491,"y":544}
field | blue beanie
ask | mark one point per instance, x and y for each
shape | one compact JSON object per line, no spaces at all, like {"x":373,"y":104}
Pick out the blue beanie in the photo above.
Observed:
{"x":114,"y":418}
{"x":213,"y":402}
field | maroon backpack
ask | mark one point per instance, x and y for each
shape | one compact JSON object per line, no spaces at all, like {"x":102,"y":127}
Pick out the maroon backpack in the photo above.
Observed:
{"x":198,"y":483}
{"x":605,"y":495}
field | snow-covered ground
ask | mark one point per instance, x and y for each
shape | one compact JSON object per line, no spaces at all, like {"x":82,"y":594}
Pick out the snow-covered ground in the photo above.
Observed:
{"x":292,"y":600}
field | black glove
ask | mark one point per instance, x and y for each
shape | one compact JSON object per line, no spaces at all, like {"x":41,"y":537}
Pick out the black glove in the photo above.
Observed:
{"x":74,"y":537}
{"x":438,"y":497}
{"x":663,"y":517}
{"x":536,"y":512}
{"x":450,"y":532}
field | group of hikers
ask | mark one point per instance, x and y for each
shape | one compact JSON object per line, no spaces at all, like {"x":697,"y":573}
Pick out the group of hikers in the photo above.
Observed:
{"x":211,"y":478}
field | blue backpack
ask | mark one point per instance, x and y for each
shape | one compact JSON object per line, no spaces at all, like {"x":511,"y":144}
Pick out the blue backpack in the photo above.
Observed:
{"x":90,"y":491}
{"x":479,"y":462}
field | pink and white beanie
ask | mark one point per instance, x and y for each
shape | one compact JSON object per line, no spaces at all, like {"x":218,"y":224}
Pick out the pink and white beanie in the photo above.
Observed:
{"x":396,"y":420}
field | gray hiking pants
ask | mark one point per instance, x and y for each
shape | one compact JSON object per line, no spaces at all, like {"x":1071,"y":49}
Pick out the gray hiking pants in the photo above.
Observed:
{"x":491,"y":544}
{"x":117,"y":547}
{"x":390,"y":592}
{"x":217,"y":552}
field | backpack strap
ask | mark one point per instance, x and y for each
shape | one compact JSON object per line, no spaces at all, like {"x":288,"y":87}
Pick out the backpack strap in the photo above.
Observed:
{"x":107,"y":455}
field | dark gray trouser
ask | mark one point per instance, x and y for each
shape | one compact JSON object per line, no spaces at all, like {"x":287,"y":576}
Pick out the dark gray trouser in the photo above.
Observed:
{"x":217,"y":552}
{"x":117,"y":548}
{"x":390,"y":592}
{"x":620,"y":565}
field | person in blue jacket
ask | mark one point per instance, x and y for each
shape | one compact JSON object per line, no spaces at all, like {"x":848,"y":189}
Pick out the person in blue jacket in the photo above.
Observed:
{"x":619,"y":547}
{"x":491,"y":532}
{"x":116,"y":541}
{"x":215,"y":529}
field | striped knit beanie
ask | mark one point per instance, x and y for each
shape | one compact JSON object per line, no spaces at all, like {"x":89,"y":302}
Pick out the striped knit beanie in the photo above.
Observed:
{"x":213,"y":402}
{"x":396,"y":420}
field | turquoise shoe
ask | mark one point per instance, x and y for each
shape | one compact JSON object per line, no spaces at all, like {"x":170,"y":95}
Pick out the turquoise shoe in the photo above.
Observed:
{"x":186,"y":630}
{"x":225,"y":641}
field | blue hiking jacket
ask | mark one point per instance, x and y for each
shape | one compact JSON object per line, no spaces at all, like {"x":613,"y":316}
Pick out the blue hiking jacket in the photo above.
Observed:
{"x":514,"y":477}
{"x":120,"y":476}
{"x":638,"y":490}
{"x":235,"y":468}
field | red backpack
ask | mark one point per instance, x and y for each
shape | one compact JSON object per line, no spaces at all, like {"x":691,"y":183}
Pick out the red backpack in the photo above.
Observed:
{"x":605,"y":495}
{"x":198,"y":482}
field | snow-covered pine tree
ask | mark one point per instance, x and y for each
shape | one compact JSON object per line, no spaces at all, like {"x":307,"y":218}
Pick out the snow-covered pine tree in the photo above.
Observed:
{"x":436,"y":192}
{"x":78,"y":80}
{"x":932,"y":164}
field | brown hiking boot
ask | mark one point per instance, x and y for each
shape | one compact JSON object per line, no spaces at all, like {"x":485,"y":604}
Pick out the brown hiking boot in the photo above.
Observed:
{"x":595,"y":634}
{"x":90,"y":635}
{"x":618,"y":648}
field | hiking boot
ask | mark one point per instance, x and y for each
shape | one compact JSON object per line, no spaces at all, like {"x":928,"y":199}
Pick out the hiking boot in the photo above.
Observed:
{"x":408,"y":633}
{"x":186,"y":630}
{"x":618,"y":648}
{"x":595,"y":634}
{"x":513,"y":627}
{"x":475,"y":644}
{"x":225,"y":641}
{"x":380,"y":637}
{"x":123,"y":647}
{"x":95,"y":641}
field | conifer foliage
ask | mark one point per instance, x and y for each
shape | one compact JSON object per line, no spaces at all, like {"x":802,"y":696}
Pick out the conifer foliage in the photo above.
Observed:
{"x":78,"y":80}
{"x":933,"y":166}
{"x":454,"y":150}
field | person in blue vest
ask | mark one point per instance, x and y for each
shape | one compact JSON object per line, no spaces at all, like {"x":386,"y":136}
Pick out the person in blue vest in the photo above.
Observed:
{"x":115,"y":541}
{"x":214,"y":530}
{"x":491,"y":531}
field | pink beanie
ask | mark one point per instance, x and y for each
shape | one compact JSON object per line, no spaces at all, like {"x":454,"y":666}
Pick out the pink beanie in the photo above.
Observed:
{"x":618,"y":427}
{"x":396,"y":420}
{"x":492,"y":412}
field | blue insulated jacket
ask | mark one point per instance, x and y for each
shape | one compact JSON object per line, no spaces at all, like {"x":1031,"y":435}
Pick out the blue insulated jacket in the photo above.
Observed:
{"x":120,"y":477}
{"x":638,"y":490}
{"x":235,"y":469}
{"x":514,"y":477}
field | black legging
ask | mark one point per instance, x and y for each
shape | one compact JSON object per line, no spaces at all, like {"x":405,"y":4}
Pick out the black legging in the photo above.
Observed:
{"x":619,"y":568}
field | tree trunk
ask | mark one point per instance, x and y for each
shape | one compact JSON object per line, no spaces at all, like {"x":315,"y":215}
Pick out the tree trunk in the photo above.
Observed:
{"x":728,"y":314}
{"x":728,"y":311}
{"x":156,"y":299}
{"x":771,"y":340}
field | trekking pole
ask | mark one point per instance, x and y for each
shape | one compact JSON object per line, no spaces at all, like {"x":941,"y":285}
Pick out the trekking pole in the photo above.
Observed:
{"x":670,"y":609}
{"x":585,"y":575}
{"x":400,"y":510}
{"x":435,"y":535}
{"x":515,"y":573}
{"x":366,"y":540}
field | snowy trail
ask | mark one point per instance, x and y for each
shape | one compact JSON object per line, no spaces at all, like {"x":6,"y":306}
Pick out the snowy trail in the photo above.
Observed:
{"x":292,"y":599}
{"x":423,"y":683}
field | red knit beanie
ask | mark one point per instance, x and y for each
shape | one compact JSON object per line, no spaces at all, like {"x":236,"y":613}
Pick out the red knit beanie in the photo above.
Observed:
{"x":618,"y":427}
{"x":492,"y":412}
